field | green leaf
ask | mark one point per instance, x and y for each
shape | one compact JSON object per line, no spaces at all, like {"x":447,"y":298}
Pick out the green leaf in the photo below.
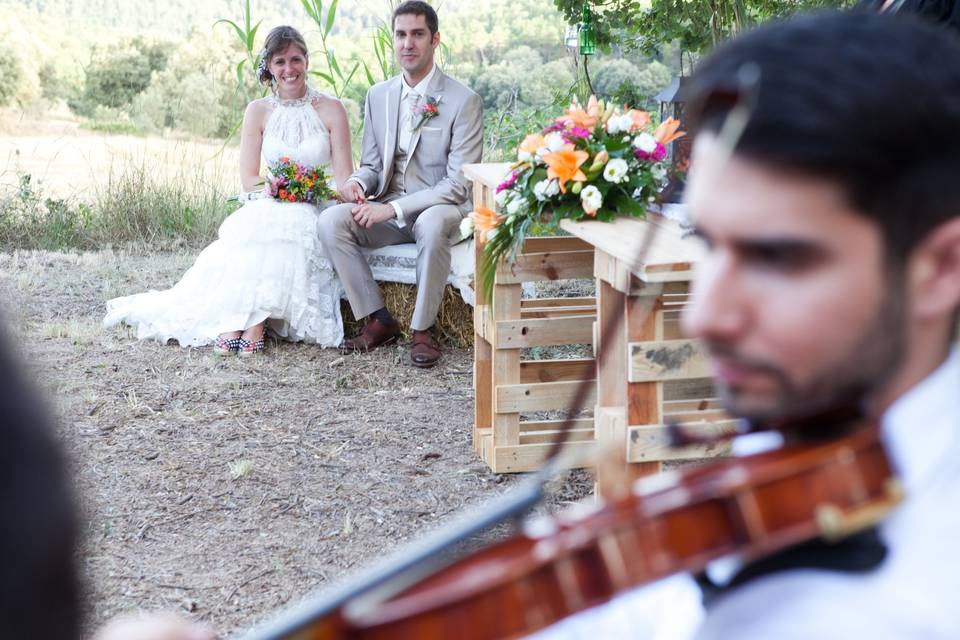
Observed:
{"x":252,"y":36}
{"x":366,"y":71}
{"x":240,"y":33}
{"x":331,"y":13}
{"x":308,"y":7}
{"x":240,"y":71}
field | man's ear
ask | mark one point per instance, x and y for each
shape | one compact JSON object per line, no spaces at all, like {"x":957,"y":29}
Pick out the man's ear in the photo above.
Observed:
{"x":934,"y":272}
{"x":436,"y":40}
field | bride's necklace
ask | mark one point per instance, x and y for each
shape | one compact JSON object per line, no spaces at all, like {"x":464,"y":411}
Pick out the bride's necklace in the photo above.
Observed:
{"x":295,"y":102}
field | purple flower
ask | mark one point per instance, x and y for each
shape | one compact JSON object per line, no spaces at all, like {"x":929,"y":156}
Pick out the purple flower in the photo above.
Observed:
{"x":509,"y":182}
{"x":658,"y":154}
{"x":576,"y":132}
{"x":556,"y":126}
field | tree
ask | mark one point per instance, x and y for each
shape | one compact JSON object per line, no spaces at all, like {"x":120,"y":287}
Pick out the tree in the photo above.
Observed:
{"x":697,"y":24}
{"x":119,"y":73}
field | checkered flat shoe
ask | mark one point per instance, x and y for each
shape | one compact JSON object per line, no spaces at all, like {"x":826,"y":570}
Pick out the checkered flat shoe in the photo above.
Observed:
{"x":225,"y":347}
{"x":248,"y":348}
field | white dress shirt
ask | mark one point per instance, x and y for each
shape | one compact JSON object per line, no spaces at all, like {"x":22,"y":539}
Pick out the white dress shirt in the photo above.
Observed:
{"x":911,"y":595}
{"x":409,"y":97}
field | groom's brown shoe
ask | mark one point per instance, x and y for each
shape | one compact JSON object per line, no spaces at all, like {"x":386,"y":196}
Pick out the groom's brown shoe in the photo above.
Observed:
{"x":425,"y":350}
{"x":373,"y":334}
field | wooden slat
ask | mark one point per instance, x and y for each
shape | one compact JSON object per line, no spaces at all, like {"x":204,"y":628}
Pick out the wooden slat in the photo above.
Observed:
{"x":695,"y":404}
{"x":656,"y":361}
{"x":532,"y":371}
{"x":650,"y":442}
{"x":544,"y":244}
{"x":710,"y":415}
{"x":576,"y":435}
{"x":542,"y":396}
{"x":557,"y":265}
{"x":529,"y":457}
{"x":556,"y":312}
{"x":506,"y":365}
{"x":487,"y":174}
{"x":520,"y":334}
{"x":527,"y":426}
{"x":588,"y":301}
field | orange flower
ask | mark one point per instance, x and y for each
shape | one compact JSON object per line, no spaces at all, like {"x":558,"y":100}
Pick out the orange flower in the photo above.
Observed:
{"x":576,"y":116}
{"x":640,"y":119}
{"x":564,"y":165}
{"x":282,"y":194}
{"x":484,"y":220}
{"x":667,"y":131}
{"x":529,"y":146}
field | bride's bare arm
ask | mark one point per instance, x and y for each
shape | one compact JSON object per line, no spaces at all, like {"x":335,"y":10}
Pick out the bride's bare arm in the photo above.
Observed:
{"x":251,"y":141}
{"x":334,"y":118}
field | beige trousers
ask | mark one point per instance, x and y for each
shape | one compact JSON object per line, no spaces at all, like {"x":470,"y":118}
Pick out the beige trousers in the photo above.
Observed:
{"x":434,"y":231}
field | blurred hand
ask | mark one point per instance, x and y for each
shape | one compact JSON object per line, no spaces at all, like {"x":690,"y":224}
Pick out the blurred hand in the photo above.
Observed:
{"x":155,"y":626}
{"x":372,"y":213}
{"x":353,"y":192}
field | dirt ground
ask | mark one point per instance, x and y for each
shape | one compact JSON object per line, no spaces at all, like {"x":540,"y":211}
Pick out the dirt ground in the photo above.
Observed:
{"x":225,"y":489}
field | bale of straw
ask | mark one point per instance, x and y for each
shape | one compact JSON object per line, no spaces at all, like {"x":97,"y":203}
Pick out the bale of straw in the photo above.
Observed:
{"x":454,"y":319}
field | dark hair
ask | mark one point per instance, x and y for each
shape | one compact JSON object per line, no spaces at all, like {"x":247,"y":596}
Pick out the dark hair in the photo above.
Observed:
{"x":945,"y":12}
{"x":278,"y":40}
{"x":39,"y":588}
{"x":417,"y":8}
{"x":870,"y":102}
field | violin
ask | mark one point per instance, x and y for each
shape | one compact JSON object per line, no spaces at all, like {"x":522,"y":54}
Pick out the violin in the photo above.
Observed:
{"x":668,"y":523}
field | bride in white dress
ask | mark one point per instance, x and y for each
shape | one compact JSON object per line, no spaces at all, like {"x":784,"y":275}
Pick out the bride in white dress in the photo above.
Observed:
{"x":267,"y":265}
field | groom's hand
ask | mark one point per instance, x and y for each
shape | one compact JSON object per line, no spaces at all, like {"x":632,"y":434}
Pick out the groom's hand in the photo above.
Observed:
{"x":353,"y":192}
{"x":371,"y":213}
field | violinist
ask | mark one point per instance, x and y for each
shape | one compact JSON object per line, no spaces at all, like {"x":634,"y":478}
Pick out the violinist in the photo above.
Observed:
{"x":832,"y":276}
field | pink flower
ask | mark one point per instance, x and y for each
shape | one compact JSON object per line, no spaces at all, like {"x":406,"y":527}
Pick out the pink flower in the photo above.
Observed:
{"x":508,"y":183}
{"x":659,"y":153}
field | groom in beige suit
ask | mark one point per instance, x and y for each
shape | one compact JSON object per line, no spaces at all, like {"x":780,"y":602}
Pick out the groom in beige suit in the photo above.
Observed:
{"x":419,"y":129}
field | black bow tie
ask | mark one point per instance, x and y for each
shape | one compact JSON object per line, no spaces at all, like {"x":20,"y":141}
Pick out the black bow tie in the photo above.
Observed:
{"x":859,"y":553}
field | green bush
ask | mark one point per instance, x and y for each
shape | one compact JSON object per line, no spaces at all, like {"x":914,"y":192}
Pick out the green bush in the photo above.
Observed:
{"x":117,"y":74}
{"x":10,"y":76}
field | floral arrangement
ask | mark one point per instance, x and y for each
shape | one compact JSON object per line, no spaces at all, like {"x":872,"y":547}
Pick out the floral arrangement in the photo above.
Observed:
{"x":429,"y":108}
{"x":596,"y":162}
{"x":293,"y":182}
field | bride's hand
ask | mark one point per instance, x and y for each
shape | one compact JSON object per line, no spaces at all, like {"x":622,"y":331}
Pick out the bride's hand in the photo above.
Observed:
{"x":153,"y":627}
{"x":353,"y":192}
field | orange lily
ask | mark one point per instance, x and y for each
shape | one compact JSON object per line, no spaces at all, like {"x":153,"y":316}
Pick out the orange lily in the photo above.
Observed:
{"x":564,"y":165}
{"x":640,"y":119}
{"x":531,"y":143}
{"x":484,"y":220}
{"x":667,"y":131}
{"x":576,"y":116}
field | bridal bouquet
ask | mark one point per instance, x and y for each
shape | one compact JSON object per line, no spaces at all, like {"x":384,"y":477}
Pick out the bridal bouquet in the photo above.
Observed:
{"x":597,"y":162}
{"x":293,"y":182}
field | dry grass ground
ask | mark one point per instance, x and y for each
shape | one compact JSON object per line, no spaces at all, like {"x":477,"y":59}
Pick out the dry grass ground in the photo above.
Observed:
{"x":224,"y":488}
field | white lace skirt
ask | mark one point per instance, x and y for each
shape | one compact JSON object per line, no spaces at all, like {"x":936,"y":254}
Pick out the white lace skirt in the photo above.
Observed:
{"x":268,"y":263}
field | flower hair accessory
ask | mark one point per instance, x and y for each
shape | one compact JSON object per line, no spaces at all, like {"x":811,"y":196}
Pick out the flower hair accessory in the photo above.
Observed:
{"x":262,"y":63}
{"x":426,"y":109}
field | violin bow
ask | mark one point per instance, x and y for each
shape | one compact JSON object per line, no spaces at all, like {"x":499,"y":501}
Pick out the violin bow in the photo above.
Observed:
{"x":412,"y":563}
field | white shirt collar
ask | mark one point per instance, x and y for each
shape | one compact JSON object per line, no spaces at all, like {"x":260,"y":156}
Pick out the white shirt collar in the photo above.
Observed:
{"x":922,"y":427}
{"x":421,"y":88}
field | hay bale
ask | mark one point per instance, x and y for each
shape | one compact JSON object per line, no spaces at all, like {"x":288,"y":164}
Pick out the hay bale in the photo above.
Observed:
{"x":454,"y":319}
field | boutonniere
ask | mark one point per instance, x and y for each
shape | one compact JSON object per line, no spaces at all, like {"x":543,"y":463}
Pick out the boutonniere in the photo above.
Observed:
{"x":426,"y":109}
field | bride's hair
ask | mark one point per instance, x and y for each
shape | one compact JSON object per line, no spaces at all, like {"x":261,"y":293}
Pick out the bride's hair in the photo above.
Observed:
{"x":278,"y":40}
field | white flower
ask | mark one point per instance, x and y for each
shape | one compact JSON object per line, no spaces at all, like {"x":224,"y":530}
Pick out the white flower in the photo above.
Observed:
{"x":501,"y":198}
{"x":466,"y":228}
{"x":615,"y":171}
{"x":645,"y":142}
{"x":659,"y":172}
{"x":546,"y":189}
{"x":619,"y":124}
{"x":524,"y":156}
{"x":591,"y":199}
{"x":492,"y":233}
{"x":555,"y":142}
{"x":515,"y":206}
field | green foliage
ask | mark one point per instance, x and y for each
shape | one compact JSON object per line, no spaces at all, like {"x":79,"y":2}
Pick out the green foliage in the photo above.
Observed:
{"x":697,"y":24}
{"x":625,"y":83}
{"x":117,"y":74}
{"x":10,"y":76}
{"x":132,"y":207}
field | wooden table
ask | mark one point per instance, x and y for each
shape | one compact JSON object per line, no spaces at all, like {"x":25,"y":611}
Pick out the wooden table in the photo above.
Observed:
{"x":649,"y":374}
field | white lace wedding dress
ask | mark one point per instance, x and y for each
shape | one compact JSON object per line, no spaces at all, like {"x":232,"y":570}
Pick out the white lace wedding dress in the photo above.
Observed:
{"x":267,"y":262}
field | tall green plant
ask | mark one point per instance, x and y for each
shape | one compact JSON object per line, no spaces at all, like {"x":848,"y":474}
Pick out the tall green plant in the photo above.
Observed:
{"x":248,"y":37}
{"x":334,"y":75}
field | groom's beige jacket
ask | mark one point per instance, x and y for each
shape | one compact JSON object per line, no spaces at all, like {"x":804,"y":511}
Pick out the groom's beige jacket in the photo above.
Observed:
{"x":438,"y":148}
